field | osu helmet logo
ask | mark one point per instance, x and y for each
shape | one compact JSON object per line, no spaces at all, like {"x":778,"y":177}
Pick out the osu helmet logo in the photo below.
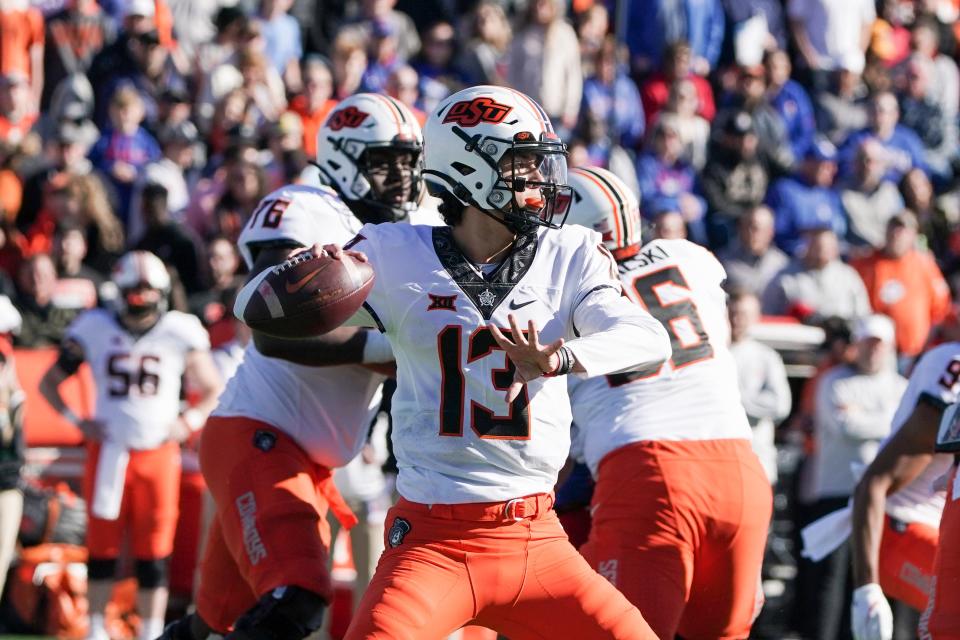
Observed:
{"x":470,"y":113}
{"x":349,"y":118}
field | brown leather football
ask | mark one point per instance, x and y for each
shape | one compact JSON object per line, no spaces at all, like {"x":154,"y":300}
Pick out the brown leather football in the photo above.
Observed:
{"x":308,"y":295}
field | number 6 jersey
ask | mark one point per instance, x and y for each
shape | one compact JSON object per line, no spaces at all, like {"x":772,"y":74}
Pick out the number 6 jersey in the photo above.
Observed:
{"x":694,"y":395}
{"x":455,"y":437}
{"x":138,"y":378}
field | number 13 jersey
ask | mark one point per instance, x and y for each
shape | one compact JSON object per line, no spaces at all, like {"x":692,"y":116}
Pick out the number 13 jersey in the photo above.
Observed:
{"x":694,"y":395}
{"x":455,"y":437}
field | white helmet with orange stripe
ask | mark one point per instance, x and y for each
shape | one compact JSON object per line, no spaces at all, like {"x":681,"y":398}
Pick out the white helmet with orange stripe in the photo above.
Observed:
{"x":144,"y":284}
{"x":494,"y":148}
{"x":369,"y":151}
{"x":604,"y":203}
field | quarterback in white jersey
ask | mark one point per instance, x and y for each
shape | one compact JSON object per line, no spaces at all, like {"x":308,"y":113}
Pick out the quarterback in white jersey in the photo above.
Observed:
{"x":896,"y":509}
{"x":679,"y":487}
{"x":138,"y":356}
{"x":477,"y":314}
{"x":296,"y":409}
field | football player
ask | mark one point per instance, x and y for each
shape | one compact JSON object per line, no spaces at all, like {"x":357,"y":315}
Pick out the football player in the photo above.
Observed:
{"x":485,"y":317}
{"x":138,"y":356}
{"x":896,"y":509}
{"x":286,"y":418}
{"x":682,"y":505}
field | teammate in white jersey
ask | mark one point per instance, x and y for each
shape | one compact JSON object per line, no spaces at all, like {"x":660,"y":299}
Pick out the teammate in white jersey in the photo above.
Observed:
{"x":682,"y":505}
{"x":477,"y":314}
{"x":896,"y":510}
{"x":284,"y":422}
{"x":137,"y":356}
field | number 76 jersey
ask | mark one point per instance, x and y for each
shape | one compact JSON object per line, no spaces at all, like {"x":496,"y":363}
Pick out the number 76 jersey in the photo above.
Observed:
{"x":692,"y":396}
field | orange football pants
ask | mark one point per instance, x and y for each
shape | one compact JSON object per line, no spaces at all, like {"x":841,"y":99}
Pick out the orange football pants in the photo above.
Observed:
{"x":270,"y":528}
{"x":506,"y":566}
{"x":680,"y":528}
{"x":942,"y":618}
{"x":906,"y":561}
{"x":149,"y":508}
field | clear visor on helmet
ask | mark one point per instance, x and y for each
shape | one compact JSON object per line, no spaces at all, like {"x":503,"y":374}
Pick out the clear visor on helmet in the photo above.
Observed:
{"x":534,"y":176}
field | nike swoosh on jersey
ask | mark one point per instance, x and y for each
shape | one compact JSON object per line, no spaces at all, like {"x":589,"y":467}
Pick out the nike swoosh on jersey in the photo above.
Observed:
{"x":293,"y":287}
{"x":514,"y":305}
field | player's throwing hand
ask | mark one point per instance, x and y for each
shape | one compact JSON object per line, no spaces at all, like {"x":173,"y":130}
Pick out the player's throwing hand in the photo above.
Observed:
{"x":530,"y":358}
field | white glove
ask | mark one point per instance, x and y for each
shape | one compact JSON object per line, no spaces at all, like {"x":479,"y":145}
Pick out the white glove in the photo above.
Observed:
{"x":870,"y":614}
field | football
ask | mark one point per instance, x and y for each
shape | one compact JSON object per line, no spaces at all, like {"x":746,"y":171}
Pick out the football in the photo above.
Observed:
{"x":308,"y":295}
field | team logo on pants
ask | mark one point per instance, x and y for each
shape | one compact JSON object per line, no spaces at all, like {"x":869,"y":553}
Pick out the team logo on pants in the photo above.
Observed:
{"x":399,"y":529}
{"x":609,"y":569}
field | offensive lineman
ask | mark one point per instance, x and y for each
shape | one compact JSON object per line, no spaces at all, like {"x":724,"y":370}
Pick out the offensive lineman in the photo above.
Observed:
{"x":682,"y":505}
{"x":138,"y":356}
{"x":283,"y":424}
{"x":481,"y":410}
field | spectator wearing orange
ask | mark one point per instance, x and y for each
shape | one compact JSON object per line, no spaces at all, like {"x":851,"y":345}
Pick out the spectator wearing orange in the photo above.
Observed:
{"x":21,"y":43}
{"x":316,"y":101}
{"x":905,"y":283}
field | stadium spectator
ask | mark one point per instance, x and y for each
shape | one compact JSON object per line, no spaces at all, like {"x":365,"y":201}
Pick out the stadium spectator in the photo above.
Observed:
{"x":868,"y":200}
{"x":762,"y":378}
{"x":18,"y":113}
{"x":827,"y":33}
{"x":922,"y":115}
{"x":403,"y":83}
{"x":281,"y":35}
{"x":382,"y":58}
{"x":667,"y":182}
{"x":944,"y":85}
{"x":349,"y":62}
{"x":668,"y":224}
{"x":750,"y":96}
{"x":676,"y":66}
{"x":808,"y":200}
{"x":12,"y":441}
{"x":694,"y":129}
{"x":790,"y":100}
{"x":383,"y":11}
{"x":611,"y":97}
{"x":735,"y":180}
{"x":817,"y":285}
{"x":938,"y":217}
{"x":489,"y":34}
{"x":125,"y":148}
{"x":74,"y":35}
{"x":841,"y":106}
{"x":69,"y":251}
{"x":544,"y":62}
{"x":437,"y":64}
{"x":262,"y":89}
{"x":231,"y":29}
{"x":22,"y":43}
{"x":246,"y":184}
{"x":316,"y":100}
{"x":904,"y":283}
{"x":903,"y":148}
{"x":213,"y":305}
{"x":752,"y":260}
{"x":653,"y":25}
{"x":44,"y":319}
{"x":739,"y":11}
{"x":170,"y":241}
{"x":854,"y":407}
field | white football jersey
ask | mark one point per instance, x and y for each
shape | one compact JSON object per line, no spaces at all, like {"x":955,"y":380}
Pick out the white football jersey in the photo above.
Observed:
{"x":455,"y":437}
{"x":138,"y":378}
{"x":937,"y":373}
{"x":326,"y":410}
{"x":694,"y":395}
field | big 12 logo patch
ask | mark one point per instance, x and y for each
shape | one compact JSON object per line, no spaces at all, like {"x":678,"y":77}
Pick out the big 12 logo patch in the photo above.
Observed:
{"x":470,"y":113}
{"x":349,"y":118}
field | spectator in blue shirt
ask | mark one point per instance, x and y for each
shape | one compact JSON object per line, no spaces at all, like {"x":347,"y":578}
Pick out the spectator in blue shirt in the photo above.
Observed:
{"x":809,"y":200}
{"x":383,"y":57}
{"x":904,"y":149}
{"x":653,"y":24}
{"x":667,"y":182}
{"x":791,"y":101}
{"x":124,"y":148}
{"x":611,"y":96}
{"x":281,"y":34}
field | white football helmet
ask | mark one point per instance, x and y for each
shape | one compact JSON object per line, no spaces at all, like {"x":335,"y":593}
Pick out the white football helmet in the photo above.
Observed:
{"x":604,"y":203}
{"x":144,"y":284}
{"x":361,"y":122}
{"x":478,"y":133}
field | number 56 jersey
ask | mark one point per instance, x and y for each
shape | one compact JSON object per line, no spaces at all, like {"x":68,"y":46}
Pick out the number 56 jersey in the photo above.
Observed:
{"x":456,"y":438}
{"x":692,"y":396}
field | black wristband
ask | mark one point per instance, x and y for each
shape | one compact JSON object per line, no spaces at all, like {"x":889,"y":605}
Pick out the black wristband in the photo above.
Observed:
{"x":565,"y":365}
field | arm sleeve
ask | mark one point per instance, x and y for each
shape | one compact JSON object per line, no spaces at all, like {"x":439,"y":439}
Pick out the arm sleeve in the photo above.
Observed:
{"x":614,"y":334}
{"x":195,"y":336}
{"x":773,"y":399}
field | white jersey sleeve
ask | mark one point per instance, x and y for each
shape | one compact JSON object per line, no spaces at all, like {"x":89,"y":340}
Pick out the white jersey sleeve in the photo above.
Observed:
{"x":937,"y":376}
{"x":296,"y":215}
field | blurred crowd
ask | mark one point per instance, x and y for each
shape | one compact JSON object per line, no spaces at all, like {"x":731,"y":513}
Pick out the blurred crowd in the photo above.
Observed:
{"x":812,"y":144}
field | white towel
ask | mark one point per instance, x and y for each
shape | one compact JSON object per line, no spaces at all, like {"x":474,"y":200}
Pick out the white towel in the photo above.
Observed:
{"x":108,"y":486}
{"x":823,"y":536}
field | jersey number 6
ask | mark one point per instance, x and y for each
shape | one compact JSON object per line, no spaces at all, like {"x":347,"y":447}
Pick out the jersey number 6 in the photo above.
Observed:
{"x":485,"y":423}
{"x":139,"y":375}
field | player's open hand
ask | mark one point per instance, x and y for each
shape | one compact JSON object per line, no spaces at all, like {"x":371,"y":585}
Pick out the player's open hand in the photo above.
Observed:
{"x":530,"y":358}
